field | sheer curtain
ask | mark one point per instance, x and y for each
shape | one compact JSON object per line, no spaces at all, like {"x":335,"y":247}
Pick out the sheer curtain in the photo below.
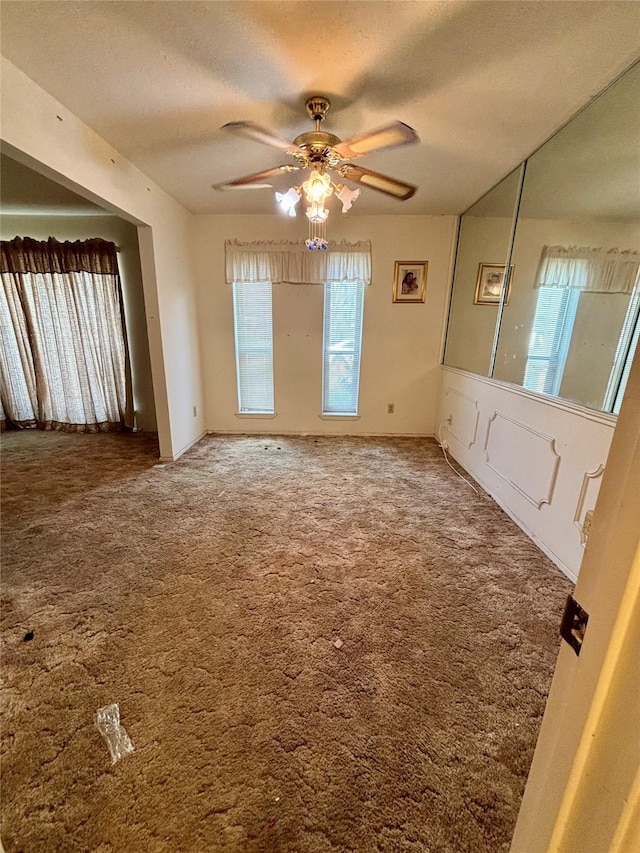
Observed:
{"x":591,"y":270}
{"x":277,"y":262}
{"x":63,"y":355}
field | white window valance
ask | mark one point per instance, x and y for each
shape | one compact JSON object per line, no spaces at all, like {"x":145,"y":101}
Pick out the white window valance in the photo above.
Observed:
{"x":293,"y":263}
{"x":593,"y":270}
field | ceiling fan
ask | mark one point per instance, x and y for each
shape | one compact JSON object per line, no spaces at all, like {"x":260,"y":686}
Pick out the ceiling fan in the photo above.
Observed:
{"x":322,"y":153}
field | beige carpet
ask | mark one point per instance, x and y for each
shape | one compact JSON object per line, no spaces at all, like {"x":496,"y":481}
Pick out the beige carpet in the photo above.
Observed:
{"x":205,"y":597}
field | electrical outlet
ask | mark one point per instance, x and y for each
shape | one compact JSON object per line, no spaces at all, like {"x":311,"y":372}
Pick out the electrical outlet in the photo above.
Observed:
{"x":195,"y":411}
{"x":391,"y":407}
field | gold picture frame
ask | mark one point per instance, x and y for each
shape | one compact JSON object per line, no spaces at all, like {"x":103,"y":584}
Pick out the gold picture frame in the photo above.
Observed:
{"x":489,"y":284}
{"x":410,"y":281}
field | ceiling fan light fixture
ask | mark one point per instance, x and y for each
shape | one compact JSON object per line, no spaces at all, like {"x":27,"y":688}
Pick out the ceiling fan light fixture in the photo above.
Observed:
{"x":317,"y":243}
{"x":317,"y":187}
{"x":319,"y":152}
{"x":346,"y":196}
{"x":317,"y":213}
{"x":289,"y":200}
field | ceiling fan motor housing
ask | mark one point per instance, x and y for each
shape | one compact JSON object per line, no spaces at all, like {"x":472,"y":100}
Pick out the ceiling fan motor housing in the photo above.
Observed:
{"x":317,"y":147}
{"x":318,"y":107}
{"x":316,"y":144}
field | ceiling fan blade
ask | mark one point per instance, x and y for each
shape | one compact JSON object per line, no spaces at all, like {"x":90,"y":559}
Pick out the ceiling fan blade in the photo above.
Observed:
{"x":257,"y":181}
{"x":259,"y":134}
{"x":376,"y":181}
{"x":393,"y":134}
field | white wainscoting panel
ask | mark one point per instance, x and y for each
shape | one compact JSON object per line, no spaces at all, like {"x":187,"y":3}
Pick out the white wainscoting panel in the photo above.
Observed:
{"x":509,"y":444}
{"x":530,"y":453}
{"x":464,"y":414}
{"x":587,"y":498}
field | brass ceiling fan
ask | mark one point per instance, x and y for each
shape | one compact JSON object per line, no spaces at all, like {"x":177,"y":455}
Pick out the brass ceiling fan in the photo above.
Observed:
{"x":321,"y":153}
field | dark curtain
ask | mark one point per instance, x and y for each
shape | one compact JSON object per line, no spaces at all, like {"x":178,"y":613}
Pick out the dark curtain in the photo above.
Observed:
{"x":63,"y":355}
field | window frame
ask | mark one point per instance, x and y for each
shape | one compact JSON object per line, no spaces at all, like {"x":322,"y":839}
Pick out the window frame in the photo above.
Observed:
{"x":562,"y":331}
{"x":355,"y":351}
{"x":625,"y":351}
{"x":242,"y":350}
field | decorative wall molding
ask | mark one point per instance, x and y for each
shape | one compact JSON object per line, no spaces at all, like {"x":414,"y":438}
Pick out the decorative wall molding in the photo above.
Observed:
{"x":530,"y":473}
{"x":527,"y":460}
{"x":465,"y":416}
{"x":587,"y":499}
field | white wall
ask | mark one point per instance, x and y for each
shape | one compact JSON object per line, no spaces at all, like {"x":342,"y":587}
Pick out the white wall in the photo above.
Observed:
{"x":125,"y":236}
{"x":401,"y":342}
{"x":541,"y":459}
{"x":41,"y":133}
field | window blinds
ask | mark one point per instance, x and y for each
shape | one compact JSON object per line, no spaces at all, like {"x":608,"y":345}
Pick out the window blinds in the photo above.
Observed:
{"x":253,"y":325}
{"x":550,"y":338}
{"x":343,"y":309}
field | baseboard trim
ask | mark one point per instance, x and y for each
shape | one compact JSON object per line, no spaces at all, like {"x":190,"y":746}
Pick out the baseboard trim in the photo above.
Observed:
{"x":555,"y":559}
{"x":179,"y":453}
{"x":299,"y":434}
{"x":573,"y":577}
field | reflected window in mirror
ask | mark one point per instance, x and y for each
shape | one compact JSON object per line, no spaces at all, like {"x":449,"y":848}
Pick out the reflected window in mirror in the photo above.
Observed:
{"x":568,"y":329}
{"x":566,"y":276}
{"x":550,"y":339}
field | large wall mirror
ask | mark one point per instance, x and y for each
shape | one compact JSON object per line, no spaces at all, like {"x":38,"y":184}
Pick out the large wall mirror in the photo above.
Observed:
{"x":483,"y":246}
{"x":568,"y":316}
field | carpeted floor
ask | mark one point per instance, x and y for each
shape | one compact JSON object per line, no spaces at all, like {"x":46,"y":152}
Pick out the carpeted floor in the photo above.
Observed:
{"x":206,"y":597}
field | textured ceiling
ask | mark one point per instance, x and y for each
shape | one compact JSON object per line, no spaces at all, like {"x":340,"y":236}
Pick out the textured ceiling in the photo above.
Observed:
{"x":483,"y":83}
{"x":589,"y":170}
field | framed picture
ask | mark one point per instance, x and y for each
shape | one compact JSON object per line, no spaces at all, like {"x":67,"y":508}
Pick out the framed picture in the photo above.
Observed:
{"x":410,"y":281}
{"x":490,"y":283}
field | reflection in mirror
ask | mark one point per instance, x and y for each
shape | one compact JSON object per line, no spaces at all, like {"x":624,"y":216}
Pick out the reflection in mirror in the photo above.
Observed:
{"x":570,"y":326}
{"x":483,"y":245}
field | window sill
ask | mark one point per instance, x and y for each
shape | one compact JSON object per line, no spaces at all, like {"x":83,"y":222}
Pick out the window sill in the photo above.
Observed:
{"x":334,"y":416}
{"x":260,"y":415}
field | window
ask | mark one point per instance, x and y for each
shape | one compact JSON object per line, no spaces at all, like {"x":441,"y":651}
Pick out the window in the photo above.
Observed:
{"x":343,"y":307}
{"x":253,"y":325}
{"x":550,"y":338}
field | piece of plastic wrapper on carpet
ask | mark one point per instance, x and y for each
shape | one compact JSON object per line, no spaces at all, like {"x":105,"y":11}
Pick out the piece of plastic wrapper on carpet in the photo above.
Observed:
{"x":108,"y":724}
